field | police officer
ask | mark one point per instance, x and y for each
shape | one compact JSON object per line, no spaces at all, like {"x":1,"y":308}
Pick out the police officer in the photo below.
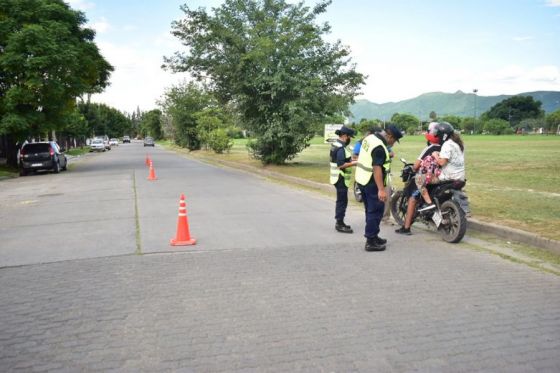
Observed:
{"x":341,"y":173}
{"x":374,"y":165}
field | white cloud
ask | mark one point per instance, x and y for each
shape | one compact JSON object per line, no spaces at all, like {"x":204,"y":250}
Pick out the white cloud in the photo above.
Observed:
{"x":522,"y":38}
{"x":545,"y":74}
{"x":508,"y":73}
{"x":130,"y":28}
{"x":553,"y":3}
{"x":398,"y":82}
{"x":100,"y":26}
{"x":138,"y":79}
{"x":80,"y":4}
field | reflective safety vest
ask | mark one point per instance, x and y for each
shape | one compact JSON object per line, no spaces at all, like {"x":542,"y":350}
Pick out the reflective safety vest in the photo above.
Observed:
{"x":335,"y":171}
{"x":364,"y":168}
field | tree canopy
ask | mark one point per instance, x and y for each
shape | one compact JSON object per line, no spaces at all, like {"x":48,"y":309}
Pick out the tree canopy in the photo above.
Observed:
{"x":406,"y":122}
{"x":515,"y":109}
{"x":47,"y":59}
{"x":269,"y":59}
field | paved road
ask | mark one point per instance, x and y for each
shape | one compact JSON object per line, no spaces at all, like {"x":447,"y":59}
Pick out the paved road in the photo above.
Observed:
{"x":269,"y":286}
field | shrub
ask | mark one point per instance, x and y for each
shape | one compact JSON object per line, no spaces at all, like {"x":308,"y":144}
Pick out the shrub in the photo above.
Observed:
{"x":219,"y":141}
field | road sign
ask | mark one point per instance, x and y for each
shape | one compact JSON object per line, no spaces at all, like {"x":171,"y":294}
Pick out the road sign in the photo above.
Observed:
{"x":330,"y":129}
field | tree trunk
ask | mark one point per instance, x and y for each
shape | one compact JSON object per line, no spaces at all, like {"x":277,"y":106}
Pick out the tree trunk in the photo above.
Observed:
{"x":11,"y":150}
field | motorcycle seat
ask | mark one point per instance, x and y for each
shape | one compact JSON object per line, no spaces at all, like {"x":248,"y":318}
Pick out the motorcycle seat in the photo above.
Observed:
{"x":448,"y":184}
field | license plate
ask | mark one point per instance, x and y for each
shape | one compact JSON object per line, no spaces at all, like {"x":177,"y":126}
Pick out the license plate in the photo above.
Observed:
{"x":436,"y":217}
{"x":36,"y":164}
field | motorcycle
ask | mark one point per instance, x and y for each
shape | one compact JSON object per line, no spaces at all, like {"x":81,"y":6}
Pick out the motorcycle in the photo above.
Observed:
{"x":449,"y":217}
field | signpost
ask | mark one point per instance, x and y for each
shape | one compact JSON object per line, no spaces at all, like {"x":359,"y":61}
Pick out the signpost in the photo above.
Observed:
{"x":330,"y":135}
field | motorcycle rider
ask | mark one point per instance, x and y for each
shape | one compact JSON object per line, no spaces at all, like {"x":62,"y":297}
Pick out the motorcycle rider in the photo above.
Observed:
{"x":432,"y":147}
{"x":371,"y":174}
{"x":451,"y":159}
{"x":341,"y":172}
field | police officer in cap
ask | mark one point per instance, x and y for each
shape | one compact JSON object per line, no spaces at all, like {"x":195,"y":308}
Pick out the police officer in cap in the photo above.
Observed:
{"x":341,"y":172}
{"x":374,"y":165}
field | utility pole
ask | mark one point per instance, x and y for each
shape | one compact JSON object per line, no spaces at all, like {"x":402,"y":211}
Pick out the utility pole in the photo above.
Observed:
{"x":474,"y":125}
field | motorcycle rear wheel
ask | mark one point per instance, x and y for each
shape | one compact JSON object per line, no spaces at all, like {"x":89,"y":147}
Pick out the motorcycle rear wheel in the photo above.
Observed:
{"x":455,"y":222}
{"x":399,"y":204}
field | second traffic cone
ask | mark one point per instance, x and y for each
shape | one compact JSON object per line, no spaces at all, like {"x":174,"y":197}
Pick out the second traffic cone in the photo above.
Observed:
{"x":152,"y":175}
{"x":183,"y":236}
{"x":148,"y":160}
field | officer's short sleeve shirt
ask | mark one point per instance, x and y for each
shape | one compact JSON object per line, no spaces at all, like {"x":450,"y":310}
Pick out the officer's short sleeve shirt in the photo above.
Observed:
{"x":340,"y":157}
{"x":378,"y":155}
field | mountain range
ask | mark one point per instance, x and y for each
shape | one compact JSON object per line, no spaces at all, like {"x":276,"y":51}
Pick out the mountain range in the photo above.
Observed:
{"x":458,"y":103}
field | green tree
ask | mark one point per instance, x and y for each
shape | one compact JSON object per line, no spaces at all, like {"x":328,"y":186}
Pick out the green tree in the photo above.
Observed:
{"x":515,"y":109}
{"x":136,"y":119}
{"x":366,"y":124}
{"x":47,"y":59}
{"x":406,"y":122}
{"x":553,"y":121}
{"x":532,"y":123}
{"x":454,"y":120}
{"x":269,"y":58}
{"x":497,"y":127}
{"x":152,"y":124}
{"x":182,"y":103}
{"x":103,"y":120}
{"x":471,"y":125}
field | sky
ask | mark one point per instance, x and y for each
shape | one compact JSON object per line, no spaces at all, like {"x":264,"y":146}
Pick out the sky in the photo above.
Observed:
{"x":405,"y":47}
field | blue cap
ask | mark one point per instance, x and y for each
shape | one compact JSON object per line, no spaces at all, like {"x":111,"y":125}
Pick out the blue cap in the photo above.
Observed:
{"x":347,"y":131}
{"x":397,"y":134}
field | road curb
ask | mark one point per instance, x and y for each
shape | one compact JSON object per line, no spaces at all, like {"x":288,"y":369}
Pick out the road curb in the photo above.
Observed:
{"x":517,"y":235}
{"x":511,"y":234}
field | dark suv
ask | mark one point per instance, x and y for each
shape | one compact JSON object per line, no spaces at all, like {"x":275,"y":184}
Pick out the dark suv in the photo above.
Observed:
{"x":41,"y":156}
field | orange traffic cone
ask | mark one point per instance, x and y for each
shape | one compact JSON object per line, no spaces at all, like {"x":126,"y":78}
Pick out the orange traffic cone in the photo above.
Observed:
{"x":152,"y":175}
{"x":183,"y":237}
{"x":148,"y":160}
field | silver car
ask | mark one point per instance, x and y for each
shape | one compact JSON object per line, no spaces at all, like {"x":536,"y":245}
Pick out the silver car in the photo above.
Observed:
{"x":149,"y":141}
{"x":97,"y":145}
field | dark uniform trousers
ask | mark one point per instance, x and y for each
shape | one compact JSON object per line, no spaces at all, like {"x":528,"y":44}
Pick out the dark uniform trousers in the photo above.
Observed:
{"x":341,"y":199}
{"x":374,"y":208}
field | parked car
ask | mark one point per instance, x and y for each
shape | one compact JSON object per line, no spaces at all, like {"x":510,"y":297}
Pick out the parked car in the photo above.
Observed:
{"x":97,"y":145}
{"x":126,"y":139}
{"x":114,"y":142}
{"x":149,"y":141}
{"x":42,"y":156}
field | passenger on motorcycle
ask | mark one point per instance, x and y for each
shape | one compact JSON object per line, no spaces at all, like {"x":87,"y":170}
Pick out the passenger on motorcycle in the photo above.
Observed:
{"x":433,"y":147}
{"x":451,"y":159}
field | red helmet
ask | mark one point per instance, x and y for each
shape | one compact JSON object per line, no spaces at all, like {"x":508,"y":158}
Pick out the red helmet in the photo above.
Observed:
{"x":431,"y":135}
{"x":432,"y":138}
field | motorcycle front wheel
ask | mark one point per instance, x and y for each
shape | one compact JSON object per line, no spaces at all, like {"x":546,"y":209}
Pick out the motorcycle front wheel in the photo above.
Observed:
{"x":454,"y":224}
{"x":399,"y":204}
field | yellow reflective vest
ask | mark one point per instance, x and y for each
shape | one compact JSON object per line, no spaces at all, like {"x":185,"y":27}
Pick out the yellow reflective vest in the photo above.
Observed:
{"x":335,"y":171}
{"x":364,"y":168}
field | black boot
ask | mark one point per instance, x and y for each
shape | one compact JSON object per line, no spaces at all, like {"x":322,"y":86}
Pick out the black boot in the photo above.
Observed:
{"x":373,"y":244}
{"x":380,"y":240}
{"x":341,"y":227}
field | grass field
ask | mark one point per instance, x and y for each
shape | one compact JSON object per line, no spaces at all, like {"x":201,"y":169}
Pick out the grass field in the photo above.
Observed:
{"x":78,"y":151}
{"x":511,"y":180}
{"x":6,"y":171}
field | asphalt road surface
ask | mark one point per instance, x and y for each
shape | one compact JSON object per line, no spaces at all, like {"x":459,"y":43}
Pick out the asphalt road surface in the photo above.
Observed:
{"x":89,"y":281}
